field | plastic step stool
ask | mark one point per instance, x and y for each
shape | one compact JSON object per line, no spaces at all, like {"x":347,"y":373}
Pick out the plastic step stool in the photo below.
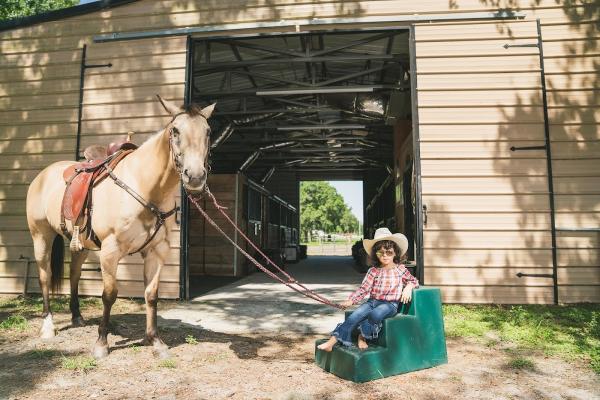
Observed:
{"x":413,"y":339}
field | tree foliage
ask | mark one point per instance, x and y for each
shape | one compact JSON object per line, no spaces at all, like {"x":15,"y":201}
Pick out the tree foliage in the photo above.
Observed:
{"x":323,"y":208}
{"x":23,"y":8}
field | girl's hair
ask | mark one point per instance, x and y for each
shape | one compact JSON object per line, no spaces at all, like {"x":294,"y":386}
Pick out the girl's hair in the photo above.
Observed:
{"x":387,"y":245}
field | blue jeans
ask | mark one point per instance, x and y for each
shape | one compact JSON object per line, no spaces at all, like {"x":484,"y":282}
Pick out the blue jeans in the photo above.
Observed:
{"x":367,"y":317}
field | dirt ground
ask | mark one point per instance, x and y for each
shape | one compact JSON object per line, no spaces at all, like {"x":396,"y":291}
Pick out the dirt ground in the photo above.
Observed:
{"x":213,"y":365}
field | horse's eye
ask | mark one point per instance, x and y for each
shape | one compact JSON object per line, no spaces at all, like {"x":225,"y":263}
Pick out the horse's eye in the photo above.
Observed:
{"x":175,"y":131}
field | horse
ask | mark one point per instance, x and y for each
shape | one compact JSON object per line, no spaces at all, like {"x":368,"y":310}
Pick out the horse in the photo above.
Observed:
{"x":126,"y":217}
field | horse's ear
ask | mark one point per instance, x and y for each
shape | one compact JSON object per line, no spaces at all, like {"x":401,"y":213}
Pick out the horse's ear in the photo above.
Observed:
{"x":208,"y":110}
{"x":171,"y":108}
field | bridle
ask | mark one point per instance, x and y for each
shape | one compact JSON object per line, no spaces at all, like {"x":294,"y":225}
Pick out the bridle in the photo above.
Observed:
{"x":160,"y":215}
{"x":176,"y":156}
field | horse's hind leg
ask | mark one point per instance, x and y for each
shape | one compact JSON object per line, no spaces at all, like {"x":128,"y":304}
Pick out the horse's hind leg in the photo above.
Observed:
{"x":42,"y":247}
{"x":77,"y":259}
{"x":153,"y":262}
{"x":109,"y":260}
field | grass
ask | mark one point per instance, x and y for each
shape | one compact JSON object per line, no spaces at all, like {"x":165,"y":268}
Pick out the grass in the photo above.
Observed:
{"x":521,"y":363}
{"x":190,"y":339}
{"x":14,"y":322}
{"x":42,"y":354}
{"x":79,"y":363}
{"x":168,"y":363}
{"x":136,"y":348}
{"x":214,"y":357}
{"x":571,"y":332}
{"x":34,"y":304}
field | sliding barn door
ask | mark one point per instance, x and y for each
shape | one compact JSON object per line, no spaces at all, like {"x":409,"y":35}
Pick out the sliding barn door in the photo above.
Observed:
{"x":486,"y":214}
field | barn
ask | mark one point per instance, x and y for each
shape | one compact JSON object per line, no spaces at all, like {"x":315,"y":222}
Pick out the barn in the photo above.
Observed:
{"x":473,"y":125}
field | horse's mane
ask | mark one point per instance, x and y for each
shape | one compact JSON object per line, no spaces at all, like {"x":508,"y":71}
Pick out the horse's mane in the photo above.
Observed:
{"x":192,"y":109}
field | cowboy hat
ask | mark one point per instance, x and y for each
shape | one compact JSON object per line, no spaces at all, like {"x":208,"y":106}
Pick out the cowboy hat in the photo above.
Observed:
{"x":385,"y":234}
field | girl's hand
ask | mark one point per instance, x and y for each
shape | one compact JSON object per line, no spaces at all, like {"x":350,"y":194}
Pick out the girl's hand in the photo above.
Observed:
{"x":407,"y":293}
{"x":346,"y":303}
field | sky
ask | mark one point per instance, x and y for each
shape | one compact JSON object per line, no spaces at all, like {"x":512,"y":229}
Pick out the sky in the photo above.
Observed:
{"x":352,"y":193}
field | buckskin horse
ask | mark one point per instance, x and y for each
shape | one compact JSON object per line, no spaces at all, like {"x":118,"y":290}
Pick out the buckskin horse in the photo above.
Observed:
{"x":133,"y":195}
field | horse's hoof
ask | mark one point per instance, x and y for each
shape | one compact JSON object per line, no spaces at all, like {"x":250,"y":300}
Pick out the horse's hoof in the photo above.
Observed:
{"x":100,"y":352}
{"x":161,"y":351}
{"x":47,"y":333}
{"x":162,"y":354}
{"x":77,"y":322}
{"x":47,"y":330}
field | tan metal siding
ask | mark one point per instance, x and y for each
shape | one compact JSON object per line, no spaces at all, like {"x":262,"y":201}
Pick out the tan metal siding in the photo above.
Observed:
{"x":476,"y":253}
{"x":39,"y":72}
{"x":501,"y":117}
{"x":39,"y":95}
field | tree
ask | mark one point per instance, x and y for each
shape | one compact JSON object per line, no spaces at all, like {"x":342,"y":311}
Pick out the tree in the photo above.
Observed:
{"x":323,"y":208}
{"x":23,"y":8}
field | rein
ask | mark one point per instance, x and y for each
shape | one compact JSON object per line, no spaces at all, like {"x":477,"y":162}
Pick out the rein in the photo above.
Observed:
{"x":291,"y":282}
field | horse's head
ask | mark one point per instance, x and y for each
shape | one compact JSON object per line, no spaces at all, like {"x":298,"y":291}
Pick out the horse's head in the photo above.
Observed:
{"x":189,"y":137}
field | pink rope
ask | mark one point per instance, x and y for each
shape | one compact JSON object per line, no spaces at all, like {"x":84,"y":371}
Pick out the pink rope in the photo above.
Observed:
{"x":291,"y":282}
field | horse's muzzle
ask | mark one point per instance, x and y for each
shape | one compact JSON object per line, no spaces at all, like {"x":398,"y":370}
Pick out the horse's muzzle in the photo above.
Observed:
{"x":193,"y":182}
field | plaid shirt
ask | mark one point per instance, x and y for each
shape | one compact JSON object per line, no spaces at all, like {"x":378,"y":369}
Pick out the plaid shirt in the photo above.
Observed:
{"x":381,"y":284}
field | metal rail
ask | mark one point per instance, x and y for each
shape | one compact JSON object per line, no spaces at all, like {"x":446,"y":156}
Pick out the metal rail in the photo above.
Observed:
{"x":402,"y":20}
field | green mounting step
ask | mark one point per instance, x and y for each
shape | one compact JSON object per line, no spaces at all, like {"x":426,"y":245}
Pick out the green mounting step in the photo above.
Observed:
{"x":413,"y":339}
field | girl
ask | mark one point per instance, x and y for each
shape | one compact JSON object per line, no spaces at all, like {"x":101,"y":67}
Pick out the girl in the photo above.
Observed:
{"x":383,"y":285}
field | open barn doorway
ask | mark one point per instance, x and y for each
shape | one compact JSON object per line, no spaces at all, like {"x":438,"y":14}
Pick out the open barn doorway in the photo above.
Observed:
{"x":331,"y":215}
{"x":292,"y":108}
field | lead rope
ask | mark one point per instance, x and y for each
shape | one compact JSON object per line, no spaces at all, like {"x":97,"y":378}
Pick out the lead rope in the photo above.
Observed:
{"x":291,"y":282}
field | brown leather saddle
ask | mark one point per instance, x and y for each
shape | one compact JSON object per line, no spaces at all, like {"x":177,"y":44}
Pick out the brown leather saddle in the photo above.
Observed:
{"x":81,"y":178}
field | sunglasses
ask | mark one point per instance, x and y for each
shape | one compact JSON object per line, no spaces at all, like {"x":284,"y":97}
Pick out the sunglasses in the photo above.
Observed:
{"x":382,"y":253}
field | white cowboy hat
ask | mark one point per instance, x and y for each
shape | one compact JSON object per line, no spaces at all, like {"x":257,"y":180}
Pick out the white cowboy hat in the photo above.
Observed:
{"x":385,"y":234}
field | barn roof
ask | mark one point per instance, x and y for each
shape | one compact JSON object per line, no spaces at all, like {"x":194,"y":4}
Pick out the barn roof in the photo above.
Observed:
{"x":62,"y":13}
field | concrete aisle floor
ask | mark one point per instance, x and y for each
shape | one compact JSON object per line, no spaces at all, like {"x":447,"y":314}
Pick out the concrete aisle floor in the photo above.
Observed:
{"x":259,"y":304}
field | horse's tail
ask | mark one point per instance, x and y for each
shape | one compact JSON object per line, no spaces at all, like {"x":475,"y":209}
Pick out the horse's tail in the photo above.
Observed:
{"x":57,"y":263}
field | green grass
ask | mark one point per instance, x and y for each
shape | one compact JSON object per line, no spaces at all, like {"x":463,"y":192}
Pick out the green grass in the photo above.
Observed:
{"x":14,"y":322}
{"x":168,"y":363}
{"x":81,"y":363}
{"x":521,"y":363}
{"x":34,"y":304}
{"x":571,"y":332}
{"x":136,"y":348}
{"x":41,"y":354}
{"x":190,"y":339}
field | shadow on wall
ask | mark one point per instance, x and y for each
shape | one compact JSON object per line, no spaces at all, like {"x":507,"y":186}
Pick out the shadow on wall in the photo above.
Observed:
{"x":573,"y":98}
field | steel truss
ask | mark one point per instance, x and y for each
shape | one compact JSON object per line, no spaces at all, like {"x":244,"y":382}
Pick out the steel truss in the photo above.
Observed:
{"x":309,"y":89}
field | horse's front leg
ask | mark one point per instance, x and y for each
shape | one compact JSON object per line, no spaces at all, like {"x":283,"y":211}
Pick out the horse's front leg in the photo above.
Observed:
{"x":154,"y":259}
{"x":110,"y":255}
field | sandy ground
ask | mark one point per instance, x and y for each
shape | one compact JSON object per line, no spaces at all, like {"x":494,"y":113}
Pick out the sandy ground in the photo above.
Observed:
{"x":255,"y":366}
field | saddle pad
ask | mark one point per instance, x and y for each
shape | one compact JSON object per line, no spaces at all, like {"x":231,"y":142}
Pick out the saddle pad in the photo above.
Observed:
{"x":75,"y":195}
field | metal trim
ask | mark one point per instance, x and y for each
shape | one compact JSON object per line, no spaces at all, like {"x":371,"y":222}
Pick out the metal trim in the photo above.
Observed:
{"x":419,"y":254}
{"x":184,"y":284}
{"x":80,"y":106}
{"x":548,"y":164}
{"x":297,"y":24}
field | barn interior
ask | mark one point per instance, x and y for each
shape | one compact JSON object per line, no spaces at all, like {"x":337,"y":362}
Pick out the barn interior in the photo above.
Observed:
{"x":292,"y":107}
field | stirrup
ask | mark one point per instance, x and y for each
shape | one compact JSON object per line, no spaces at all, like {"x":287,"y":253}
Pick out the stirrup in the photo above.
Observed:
{"x":75,"y":245}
